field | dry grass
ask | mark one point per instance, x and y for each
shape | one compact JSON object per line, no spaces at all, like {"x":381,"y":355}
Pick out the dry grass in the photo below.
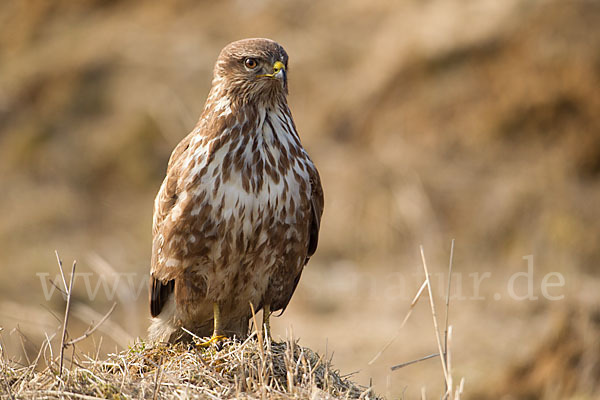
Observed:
{"x":236,"y":369}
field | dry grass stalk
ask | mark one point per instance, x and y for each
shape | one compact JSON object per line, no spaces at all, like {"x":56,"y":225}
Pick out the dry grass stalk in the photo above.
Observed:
{"x":445,"y":355}
{"x":410,"y":310}
{"x":448,"y":297}
{"x":434,"y":315}
{"x":406,"y":364}
{"x":92,"y":329}
{"x":67,"y":309}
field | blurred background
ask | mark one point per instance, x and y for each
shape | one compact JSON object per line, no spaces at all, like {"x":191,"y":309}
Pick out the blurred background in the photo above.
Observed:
{"x":432,"y":120}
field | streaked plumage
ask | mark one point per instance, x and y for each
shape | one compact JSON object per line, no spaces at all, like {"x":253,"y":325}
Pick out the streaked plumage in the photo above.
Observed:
{"x":237,"y":216}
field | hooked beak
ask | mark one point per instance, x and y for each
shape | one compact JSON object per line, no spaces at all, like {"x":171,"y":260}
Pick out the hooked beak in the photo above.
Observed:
{"x":278,"y":71}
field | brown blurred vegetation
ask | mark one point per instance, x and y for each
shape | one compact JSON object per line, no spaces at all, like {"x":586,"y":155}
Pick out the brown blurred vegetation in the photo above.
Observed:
{"x":429,"y":120}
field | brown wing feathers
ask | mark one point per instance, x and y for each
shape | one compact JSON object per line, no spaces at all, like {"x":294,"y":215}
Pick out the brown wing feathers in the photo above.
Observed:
{"x":159,"y":291}
{"x":316,"y":205}
{"x":313,"y":238}
{"x":159,"y":294}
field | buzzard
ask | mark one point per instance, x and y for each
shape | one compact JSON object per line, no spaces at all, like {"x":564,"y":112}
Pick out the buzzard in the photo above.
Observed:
{"x":237,"y":216}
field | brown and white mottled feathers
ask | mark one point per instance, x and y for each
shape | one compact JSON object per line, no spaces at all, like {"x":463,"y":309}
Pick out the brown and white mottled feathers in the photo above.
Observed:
{"x":237,"y":216}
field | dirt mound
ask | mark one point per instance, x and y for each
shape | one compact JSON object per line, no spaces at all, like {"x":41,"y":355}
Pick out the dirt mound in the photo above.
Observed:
{"x":235,"y":370}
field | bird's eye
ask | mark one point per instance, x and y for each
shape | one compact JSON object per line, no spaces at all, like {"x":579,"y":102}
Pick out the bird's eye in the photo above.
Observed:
{"x":250,"y":63}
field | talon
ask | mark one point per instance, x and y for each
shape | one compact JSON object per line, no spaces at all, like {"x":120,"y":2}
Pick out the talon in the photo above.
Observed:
{"x":215,"y":339}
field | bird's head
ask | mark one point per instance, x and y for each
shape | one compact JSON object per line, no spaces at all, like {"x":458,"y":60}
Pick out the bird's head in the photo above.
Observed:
{"x":253,"y":70}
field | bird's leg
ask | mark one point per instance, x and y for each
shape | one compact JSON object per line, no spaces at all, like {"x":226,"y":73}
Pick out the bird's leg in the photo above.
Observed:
{"x":217,"y":335}
{"x":217,"y":320}
{"x":267,"y":322}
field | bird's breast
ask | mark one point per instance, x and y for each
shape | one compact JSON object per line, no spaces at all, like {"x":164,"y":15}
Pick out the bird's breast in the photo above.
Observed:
{"x":254,"y":181}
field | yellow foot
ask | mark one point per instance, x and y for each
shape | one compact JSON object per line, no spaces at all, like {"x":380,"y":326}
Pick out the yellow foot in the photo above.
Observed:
{"x":215,"y":339}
